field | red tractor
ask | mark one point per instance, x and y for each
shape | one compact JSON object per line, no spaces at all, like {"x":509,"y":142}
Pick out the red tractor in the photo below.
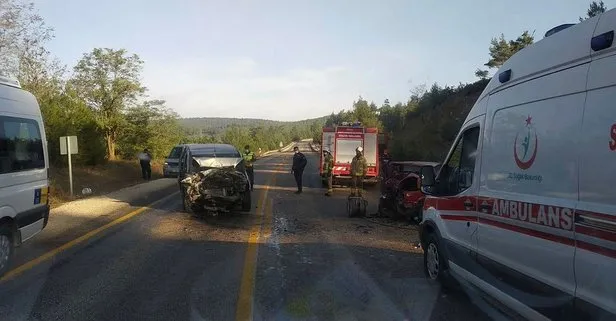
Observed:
{"x":400,"y":189}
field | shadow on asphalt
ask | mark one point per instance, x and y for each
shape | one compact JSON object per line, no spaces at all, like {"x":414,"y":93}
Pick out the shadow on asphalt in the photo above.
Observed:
{"x":168,"y":278}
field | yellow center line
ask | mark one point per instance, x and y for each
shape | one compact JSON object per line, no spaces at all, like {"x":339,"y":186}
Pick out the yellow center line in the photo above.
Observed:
{"x":245,"y":299}
{"x":51,"y":254}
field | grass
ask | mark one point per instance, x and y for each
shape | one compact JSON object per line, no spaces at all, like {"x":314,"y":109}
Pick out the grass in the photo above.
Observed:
{"x":101,"y":179}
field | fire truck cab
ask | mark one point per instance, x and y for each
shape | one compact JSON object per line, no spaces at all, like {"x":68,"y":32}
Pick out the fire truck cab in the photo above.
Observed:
{"x":342,"y":140}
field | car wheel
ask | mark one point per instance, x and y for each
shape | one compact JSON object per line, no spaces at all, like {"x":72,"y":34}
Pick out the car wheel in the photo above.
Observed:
{"x":6,"y":248}
{"x":186,"y":205}
{"x":399,"y":204}
{"x":247,"y":202}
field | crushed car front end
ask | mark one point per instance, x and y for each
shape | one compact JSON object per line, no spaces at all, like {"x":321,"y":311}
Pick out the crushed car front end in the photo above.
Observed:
{"x":219,"y":185}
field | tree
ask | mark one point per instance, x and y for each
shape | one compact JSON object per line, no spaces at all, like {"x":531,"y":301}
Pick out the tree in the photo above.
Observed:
{"x":365,"y":113}
{"x":481,"y":74}
{"x":594,"y":9}
{"x":108,"y":81}
{"x":501,"y":49}
{"x":22,"y":33}
{"x":149,"y":125}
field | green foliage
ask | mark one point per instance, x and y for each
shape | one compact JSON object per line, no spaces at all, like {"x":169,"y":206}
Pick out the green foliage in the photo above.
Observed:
{"x":501,"y":49}
{"x":594,"y":9}
{"x":150,"y":125}
{"x":258,"y":133}
{"x":361,"y":111}
{"x":23,"y":34}
{"x":429,"y":130}
{"x":108,"y":81}
{"x":481,"y":74}
{"x":425,"y":126}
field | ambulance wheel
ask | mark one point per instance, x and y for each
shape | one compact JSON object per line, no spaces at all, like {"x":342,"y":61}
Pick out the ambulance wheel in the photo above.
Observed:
{"x":435,"y":261}
{"x":7,"y":248}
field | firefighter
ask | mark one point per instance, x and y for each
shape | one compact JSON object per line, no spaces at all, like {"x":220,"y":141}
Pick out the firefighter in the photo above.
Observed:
{"x":328,"y":166}
{"x":299,"y":163}
{"x":386,"y":157}
{"x":249,"y":158}
{"x":359,"y":167}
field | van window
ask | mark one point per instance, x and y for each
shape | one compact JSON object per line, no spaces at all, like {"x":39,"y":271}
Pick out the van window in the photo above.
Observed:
{"x":457,"y":174}
{"x":21,"y":147}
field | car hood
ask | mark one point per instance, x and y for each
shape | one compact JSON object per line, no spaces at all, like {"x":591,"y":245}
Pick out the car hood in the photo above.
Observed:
{"x":214,"y":162}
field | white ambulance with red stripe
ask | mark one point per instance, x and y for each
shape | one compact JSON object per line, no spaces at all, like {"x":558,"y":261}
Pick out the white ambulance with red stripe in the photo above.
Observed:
{"x":523,"y":210}
{"x":342,"y":140}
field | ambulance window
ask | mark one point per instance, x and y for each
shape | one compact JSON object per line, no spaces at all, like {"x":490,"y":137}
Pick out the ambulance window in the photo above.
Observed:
{"x":457,"y":174}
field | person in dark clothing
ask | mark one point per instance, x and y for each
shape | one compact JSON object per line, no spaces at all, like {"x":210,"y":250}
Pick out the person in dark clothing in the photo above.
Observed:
{"x":299,"y":163}
{"x":144,"y":160}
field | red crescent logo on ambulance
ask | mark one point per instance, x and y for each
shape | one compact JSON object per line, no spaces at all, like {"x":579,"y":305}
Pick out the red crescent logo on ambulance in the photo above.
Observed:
{"x":524,"y":158}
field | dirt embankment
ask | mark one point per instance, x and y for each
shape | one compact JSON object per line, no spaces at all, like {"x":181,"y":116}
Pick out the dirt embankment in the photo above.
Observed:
{"x":100,"y":179}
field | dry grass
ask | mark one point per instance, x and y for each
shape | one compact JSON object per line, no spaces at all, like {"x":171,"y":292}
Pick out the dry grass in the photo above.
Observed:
{"x":101,"y":179}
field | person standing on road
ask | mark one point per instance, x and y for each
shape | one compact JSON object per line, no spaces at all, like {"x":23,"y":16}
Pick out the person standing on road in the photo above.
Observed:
{"x":249,"y":158}
{"x":328,"y":166}
{"x":144,"y":160}
{"x":359,"y":167}
{"x":299,"y":163}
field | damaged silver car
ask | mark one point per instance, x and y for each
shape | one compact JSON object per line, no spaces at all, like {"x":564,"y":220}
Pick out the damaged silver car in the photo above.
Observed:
{"x":213,"y":179}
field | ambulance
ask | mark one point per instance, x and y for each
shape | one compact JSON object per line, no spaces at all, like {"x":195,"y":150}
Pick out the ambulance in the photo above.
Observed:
{"x":342,"y":140}
{"x":522,"y":212}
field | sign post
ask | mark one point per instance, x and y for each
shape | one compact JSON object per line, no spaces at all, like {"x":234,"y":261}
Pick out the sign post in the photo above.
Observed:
{"x":68,"y":146}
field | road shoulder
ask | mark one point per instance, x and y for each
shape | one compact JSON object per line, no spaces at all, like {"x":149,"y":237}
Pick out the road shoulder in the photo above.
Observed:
{"x":76,"y":218}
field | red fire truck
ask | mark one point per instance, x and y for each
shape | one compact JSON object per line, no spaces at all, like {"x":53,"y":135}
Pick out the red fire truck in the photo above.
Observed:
{"x":342,"y":140}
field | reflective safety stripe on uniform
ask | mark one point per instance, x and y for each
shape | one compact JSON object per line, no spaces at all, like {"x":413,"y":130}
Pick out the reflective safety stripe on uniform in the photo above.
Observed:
{"x":248,"y":158}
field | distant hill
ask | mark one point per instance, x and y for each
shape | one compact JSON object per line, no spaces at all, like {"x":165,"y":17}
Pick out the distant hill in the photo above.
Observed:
{"x":215,"y":125}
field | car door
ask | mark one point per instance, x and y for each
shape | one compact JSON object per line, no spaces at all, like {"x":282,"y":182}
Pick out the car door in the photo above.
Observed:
{"x":452,"y":203}
{"x":183,"y":164}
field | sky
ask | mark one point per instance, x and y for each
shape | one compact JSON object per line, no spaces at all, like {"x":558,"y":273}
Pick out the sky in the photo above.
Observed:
{"x":292,"y":60}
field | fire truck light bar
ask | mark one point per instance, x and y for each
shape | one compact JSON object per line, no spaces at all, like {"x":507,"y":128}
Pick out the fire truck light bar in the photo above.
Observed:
{"x":354,"y":124}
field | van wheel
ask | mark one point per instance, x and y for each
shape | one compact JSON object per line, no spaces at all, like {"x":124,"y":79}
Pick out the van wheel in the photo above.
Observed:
{"x":6,"y":248}
{"x":247,"y":202}
{"x":435,"y":261}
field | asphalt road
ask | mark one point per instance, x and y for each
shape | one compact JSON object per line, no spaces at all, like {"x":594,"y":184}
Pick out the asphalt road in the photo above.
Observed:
{"x":294,"y":257}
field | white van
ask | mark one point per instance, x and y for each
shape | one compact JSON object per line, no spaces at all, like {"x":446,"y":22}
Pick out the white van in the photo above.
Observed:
{"x":523,"y":210}
{"x":24,"y":186}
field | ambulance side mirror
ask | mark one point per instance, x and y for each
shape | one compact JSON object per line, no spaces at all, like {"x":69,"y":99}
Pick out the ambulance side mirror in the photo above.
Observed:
{"x":465,"y":179}
{"x":427,"y":177}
